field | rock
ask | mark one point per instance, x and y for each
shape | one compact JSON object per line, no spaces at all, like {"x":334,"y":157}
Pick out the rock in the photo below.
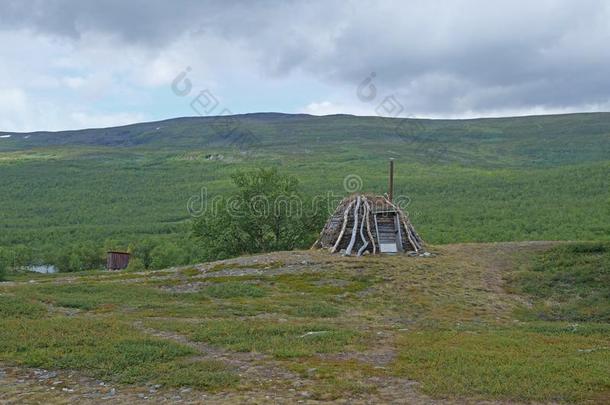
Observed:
{"x":314,"y":333}
{"x":45,"y":375}
{"x":110,"y":394}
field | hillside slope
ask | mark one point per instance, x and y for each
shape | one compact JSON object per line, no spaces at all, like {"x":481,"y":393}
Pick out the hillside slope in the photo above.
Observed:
{"x":557,"y":139}
{"x":67,"y":196}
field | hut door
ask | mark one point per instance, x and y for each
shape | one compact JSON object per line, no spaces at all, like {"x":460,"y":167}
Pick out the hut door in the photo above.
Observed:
{"x":387,"y":232}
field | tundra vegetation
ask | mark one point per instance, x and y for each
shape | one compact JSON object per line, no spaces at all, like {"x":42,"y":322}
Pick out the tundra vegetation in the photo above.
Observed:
{"x":68,"y":197}
{"x":509,"y":321}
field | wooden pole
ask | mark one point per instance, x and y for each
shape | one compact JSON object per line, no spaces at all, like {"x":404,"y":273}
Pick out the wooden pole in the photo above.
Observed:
{"x":391,"y":187}
{"x":345,"y":215}
{"x":352,"y":241}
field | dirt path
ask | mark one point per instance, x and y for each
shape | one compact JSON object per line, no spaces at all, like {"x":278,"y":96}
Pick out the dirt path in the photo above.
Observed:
{"x":38,"y":386}
{"x":257,"y":369}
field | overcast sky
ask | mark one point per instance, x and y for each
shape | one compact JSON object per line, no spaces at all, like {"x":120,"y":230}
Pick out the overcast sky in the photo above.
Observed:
{"x":73,"y":64}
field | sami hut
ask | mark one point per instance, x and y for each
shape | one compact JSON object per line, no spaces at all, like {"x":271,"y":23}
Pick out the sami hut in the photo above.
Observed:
{"x":369,"y":223}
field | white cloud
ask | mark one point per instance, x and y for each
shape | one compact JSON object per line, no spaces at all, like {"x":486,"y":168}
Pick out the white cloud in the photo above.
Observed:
{"x":74,"y":82}
{"x":93,"y":120}
{"x":328,"y":107}
{"x":22,"y":113}
{"x":322,"y":108}
{"x":12,"y":100}
{"x":13,"y":105}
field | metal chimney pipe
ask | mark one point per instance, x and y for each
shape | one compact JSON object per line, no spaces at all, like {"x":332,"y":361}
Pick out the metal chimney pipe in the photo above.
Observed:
{"x":391,"y":190}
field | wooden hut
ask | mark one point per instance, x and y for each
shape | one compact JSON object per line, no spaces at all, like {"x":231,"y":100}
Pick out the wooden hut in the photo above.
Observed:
{"x":117,"y":260}
{"x":369,"y":223}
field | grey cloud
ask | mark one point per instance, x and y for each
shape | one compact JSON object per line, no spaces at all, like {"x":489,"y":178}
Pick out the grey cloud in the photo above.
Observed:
{"x":147,"y":22}
{"x":439,"y":57}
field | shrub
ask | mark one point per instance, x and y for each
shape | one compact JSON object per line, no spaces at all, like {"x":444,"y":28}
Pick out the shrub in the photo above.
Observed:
{"x":234,"y":290}
{"x":3,"y":265}
{"x":166,"y":255}
{"x":135,"y":264}
{"x":267,"y":213}
{"x":572,"y":282}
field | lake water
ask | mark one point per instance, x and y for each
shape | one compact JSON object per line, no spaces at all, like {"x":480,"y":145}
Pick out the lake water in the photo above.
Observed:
{"x":46,"y":269}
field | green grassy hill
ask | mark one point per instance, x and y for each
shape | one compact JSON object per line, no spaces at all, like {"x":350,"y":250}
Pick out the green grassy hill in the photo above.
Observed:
{"x":505,"y":179}
{"x":537,"y":140}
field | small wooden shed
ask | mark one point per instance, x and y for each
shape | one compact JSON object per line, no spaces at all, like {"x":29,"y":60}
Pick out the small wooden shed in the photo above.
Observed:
{"x":117,"y":260}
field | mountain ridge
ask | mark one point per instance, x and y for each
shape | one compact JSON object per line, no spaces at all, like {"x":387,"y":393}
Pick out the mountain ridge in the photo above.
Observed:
{"x":300,"y":115}
{"x":538,"y":140}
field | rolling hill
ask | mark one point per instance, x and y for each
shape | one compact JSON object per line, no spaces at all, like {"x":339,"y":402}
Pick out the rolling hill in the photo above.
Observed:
{"x":536,"y":140}
{"x":482,"y":180}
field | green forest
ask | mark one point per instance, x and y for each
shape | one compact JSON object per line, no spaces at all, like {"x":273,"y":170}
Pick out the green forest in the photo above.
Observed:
{"x":68,"y":197}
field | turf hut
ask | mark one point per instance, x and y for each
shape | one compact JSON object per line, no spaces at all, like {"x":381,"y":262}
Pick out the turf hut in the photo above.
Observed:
{"x":368,"y":223}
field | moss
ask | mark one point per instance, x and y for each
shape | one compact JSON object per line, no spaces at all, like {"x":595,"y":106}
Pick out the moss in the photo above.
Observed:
{"x":236,"y":266}
{"x":233,"y":289}
{"x":190,"y":272}
{"x":571,"y":282}
{"x":20,"y":307}
{"x":505,"y":364}
{"x":277,"y":338}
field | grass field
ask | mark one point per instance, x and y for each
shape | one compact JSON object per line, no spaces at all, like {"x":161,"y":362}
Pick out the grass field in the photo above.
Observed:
{"x":465,"y":324}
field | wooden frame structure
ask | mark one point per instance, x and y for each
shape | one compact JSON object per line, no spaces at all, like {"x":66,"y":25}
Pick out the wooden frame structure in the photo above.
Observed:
{"x":368,"y":223}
